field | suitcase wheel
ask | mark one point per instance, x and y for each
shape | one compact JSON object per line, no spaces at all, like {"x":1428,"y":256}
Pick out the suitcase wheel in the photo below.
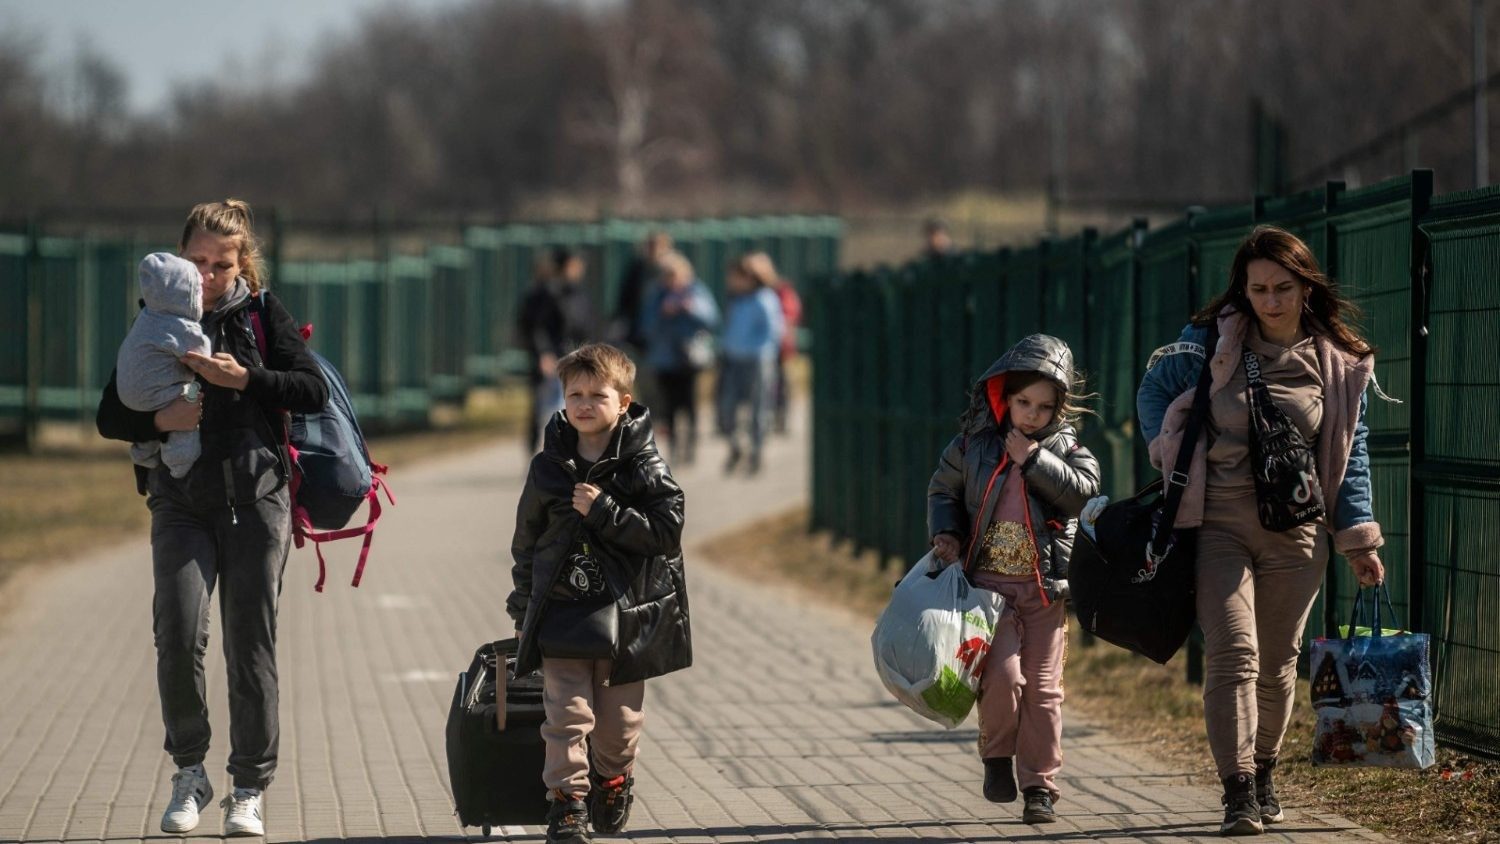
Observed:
{"x":486,"y":830}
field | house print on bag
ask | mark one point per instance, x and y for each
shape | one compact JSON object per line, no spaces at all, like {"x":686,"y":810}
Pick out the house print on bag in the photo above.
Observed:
{"x":1328,"y":684}
{"x":1369,"y":684}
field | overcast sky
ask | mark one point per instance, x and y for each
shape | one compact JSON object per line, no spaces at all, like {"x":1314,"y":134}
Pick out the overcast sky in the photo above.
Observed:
{"x":158,"y":42}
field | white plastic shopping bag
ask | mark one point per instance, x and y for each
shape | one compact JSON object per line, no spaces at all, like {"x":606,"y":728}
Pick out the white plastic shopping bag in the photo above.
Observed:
{"x":930,"y":642}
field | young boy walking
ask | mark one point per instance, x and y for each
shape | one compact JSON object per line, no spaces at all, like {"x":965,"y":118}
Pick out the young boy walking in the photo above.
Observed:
{"x":599,"y":601}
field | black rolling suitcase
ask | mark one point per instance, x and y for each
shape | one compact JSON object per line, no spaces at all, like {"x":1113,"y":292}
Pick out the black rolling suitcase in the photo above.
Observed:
{"x":496,"y":772}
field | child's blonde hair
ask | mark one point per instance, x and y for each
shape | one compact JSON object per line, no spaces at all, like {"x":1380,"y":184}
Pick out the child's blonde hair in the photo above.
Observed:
{"x":600,"y":361}
{"x":231,"y":218}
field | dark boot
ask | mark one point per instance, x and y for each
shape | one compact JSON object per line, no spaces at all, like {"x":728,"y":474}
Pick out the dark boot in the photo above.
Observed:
{"x":1265,"y":792}
{"x":568,"y":821}
{"x":1241,"y":812}
{"x":609,"y":802}
{"x":999,"y":780}
{"x":1038,"y":806}
{"x":734,"y":458}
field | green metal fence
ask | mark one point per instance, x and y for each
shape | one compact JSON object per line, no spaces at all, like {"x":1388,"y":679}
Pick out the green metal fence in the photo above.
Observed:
{"x":898,"y":347}
{"x":411,"y":319}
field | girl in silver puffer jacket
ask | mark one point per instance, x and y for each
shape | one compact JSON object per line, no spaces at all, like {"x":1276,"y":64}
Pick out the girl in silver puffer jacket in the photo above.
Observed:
{"x":1004,"y":502}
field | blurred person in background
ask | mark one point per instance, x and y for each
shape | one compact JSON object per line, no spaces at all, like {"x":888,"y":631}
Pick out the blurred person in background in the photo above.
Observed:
{"x":751,"y":342}
{"x":678,"y":319}
{"x":556,"y":317}
{"x":635,"y":288}
{"x":937,"y":242}
{"x":791,"y":315}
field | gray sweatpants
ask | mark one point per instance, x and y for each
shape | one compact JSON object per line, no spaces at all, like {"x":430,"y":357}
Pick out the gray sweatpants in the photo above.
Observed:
{"x":192,"y":551}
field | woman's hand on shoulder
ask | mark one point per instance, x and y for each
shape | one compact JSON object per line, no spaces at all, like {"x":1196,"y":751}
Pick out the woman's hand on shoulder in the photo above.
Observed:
{"x":221,"y":370}
{"x":1367,"y":568}
{"x":180,"y":415}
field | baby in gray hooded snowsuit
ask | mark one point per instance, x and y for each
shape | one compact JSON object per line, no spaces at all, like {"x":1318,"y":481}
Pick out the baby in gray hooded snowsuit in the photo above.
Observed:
{"x":149,"y":372}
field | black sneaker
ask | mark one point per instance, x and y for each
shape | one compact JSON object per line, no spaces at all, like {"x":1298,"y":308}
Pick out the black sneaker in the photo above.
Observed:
{"x":1038,"y":806}
{"x":999,"y":780}
{"x":609,"y":802}
{"x":568,"y":821}
{"x":1265,"y":792}
{"x":1241,"y":812}
{"x":734,"y":458}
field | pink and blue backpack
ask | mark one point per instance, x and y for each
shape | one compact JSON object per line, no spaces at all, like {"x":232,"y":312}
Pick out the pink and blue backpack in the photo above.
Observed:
{"x":332,"y":473}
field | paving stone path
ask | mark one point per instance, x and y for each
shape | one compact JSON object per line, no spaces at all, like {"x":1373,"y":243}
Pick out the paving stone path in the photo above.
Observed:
{"x":780,"y":731}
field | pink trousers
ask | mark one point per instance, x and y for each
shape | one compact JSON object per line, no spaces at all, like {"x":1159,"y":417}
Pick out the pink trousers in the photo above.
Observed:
{"x":1020,"y":691}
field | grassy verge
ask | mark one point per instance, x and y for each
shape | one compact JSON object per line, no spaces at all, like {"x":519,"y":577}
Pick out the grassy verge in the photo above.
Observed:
{"x":1456,"y":801}
{"x":65,"y":500}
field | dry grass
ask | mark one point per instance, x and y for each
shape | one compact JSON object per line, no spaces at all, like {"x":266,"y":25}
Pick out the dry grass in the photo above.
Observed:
{"x":65,"y":500}
{"x":1456,"y":801}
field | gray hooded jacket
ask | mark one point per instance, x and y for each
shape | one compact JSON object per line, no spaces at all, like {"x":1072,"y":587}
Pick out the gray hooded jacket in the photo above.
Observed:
{"x":1059,"y":477}
{"x":148,"y":372}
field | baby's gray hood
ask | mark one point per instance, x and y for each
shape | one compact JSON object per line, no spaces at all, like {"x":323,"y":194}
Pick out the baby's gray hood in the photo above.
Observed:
{"x":171,"y":285}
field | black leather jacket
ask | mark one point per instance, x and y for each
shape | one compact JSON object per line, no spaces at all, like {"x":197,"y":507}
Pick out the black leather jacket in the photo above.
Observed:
{"x":636,"y":528}
{"x":243,"y":456}
{"x":1060,"y":476}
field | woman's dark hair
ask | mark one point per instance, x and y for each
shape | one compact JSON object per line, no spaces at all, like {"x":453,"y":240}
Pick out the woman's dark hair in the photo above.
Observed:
{"x":561,"y":255}
{"x":1286,"y":250}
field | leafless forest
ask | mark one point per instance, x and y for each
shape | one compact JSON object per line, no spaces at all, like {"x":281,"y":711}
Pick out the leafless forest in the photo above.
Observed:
{"x":714,"y":106}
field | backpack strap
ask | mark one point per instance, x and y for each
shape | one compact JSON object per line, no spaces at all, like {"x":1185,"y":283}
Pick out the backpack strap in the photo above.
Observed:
{"x":258,"y":325}
{"x":303,"y":531}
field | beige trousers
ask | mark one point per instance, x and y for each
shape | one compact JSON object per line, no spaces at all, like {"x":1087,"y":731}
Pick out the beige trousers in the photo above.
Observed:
{"x":1255,"y":590}
{"x":586,"y":715}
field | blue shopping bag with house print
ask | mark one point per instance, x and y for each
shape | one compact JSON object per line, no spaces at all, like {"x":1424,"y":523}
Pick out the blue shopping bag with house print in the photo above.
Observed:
{"x":1372,"y":692}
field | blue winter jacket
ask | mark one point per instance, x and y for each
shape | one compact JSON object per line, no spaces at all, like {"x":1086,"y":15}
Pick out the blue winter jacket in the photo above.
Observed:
{"x":753,"y":326}
{"x":667,"y":336}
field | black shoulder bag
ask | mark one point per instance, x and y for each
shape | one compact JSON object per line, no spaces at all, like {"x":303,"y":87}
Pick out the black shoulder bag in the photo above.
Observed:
{"x":1133,"y":583}
{"x":581,"y":620}
{"x":1287,"y":492}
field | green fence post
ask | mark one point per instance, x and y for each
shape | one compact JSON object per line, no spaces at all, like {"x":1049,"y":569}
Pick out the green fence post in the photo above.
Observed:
{"x":31,"y":405}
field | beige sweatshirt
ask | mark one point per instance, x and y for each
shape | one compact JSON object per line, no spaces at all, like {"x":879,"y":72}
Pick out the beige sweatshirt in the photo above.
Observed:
{"x":1296,"y":385}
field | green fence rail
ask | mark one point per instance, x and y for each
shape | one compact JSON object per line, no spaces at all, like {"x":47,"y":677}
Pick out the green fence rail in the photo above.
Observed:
{"x":408,"y":329}
{"x":897,"y":348}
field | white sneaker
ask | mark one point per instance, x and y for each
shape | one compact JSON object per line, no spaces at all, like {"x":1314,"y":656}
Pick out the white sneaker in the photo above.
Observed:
{"x":242,"y":813}
{"x":191,"y":791}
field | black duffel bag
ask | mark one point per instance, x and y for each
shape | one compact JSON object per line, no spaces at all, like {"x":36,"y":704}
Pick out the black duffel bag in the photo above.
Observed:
{"x":1150,"y":612}
{"x":1133,"y":581}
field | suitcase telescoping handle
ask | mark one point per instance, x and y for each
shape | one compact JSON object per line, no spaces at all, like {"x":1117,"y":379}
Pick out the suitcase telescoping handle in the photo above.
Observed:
{"x":501,"y":649}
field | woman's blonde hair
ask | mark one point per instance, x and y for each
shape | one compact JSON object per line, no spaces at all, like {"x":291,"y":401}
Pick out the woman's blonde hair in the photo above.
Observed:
{"x":230,"y":218}
{"x":676,"y":263}
{"x":758,"y":267}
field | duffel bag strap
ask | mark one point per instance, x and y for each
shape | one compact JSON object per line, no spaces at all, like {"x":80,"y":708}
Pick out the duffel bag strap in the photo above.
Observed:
{"x":1177,"y":479}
